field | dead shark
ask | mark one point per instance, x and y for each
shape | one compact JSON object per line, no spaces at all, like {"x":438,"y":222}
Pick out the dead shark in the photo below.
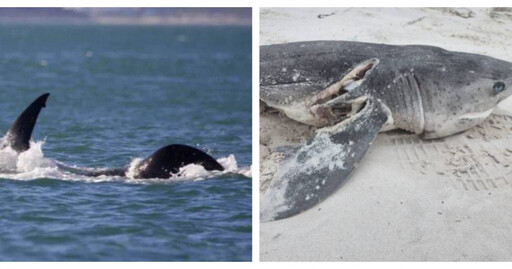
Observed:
{"x":351,"y":91}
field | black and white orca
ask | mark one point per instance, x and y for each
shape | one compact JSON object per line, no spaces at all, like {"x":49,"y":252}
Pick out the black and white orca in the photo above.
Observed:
{"x":163,"y":163}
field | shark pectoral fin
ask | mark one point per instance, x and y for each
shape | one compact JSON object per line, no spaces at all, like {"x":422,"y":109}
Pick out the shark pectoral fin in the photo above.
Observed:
{"x":18,"y":136}
{"x":169,"y":159}
{"x":320,"y":167}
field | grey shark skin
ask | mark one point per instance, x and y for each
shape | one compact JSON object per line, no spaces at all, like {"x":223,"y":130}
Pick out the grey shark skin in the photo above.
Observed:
{"x":353,"y":90}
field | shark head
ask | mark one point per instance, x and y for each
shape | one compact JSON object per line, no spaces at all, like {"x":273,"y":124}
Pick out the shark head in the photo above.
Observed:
{"x":461,"y":90}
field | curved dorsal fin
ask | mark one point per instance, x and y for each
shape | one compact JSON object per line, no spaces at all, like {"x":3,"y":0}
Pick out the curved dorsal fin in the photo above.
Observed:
{"x":19,"y":134}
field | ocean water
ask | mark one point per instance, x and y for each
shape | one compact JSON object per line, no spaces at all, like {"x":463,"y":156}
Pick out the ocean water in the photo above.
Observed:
{"x":118,"y":93}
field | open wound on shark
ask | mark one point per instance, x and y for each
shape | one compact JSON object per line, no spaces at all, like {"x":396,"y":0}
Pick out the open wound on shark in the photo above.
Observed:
{"x":351,"y":91}
{"x":164,"y":163}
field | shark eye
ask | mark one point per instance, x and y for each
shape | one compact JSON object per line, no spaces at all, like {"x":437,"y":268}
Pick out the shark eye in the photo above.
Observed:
{"x":498,"y":87}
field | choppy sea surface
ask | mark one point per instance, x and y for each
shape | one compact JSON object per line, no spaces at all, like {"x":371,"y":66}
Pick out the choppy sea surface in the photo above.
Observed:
{"x":118,"y":93}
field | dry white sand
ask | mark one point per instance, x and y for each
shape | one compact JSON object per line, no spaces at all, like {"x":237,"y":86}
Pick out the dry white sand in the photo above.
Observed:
{"x":442,"y":200}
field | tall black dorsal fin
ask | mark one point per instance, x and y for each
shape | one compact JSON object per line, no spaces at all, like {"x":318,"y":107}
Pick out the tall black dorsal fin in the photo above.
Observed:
{"x":19,"y":134}
{"x":169,"y":159}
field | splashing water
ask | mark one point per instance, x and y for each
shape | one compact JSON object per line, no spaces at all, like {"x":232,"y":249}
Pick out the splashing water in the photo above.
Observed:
{"x":28,"y":164}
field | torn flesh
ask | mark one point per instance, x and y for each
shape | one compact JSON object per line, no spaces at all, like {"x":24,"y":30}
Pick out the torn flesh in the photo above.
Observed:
{"x":331,"y":105}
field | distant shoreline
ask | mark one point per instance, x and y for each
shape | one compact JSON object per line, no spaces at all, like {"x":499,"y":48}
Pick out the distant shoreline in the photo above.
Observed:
{"x":120,"y":21}
{"x":129,"y":16}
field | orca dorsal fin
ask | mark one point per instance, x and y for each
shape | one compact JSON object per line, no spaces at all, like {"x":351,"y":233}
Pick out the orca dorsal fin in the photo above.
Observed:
{"x":169,"y":159}
{"x":19,"y":134}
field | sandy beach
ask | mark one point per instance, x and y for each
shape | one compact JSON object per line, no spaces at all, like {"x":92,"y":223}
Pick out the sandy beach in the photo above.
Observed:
{"x":447,"y":199}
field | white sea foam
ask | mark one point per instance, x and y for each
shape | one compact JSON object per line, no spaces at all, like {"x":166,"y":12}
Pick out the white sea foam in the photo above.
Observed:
{"x":33,"y":159}
{"x":229,"y":163}
{"x":132,"y":168}
{"x":28,"y":164}
{"x":8,"y":159}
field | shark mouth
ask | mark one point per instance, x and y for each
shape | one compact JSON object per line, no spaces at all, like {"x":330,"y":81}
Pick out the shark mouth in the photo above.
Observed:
{"x":335,"y":103}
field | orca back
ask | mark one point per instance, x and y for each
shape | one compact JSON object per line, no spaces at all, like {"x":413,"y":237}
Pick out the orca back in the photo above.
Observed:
{"x":169,"y":159}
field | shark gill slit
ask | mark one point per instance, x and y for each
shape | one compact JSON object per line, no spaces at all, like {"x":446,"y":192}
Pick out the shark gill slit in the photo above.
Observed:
{"x":410,"y":98}
{"x":419,"y":102}
{"x":408,"y":108}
